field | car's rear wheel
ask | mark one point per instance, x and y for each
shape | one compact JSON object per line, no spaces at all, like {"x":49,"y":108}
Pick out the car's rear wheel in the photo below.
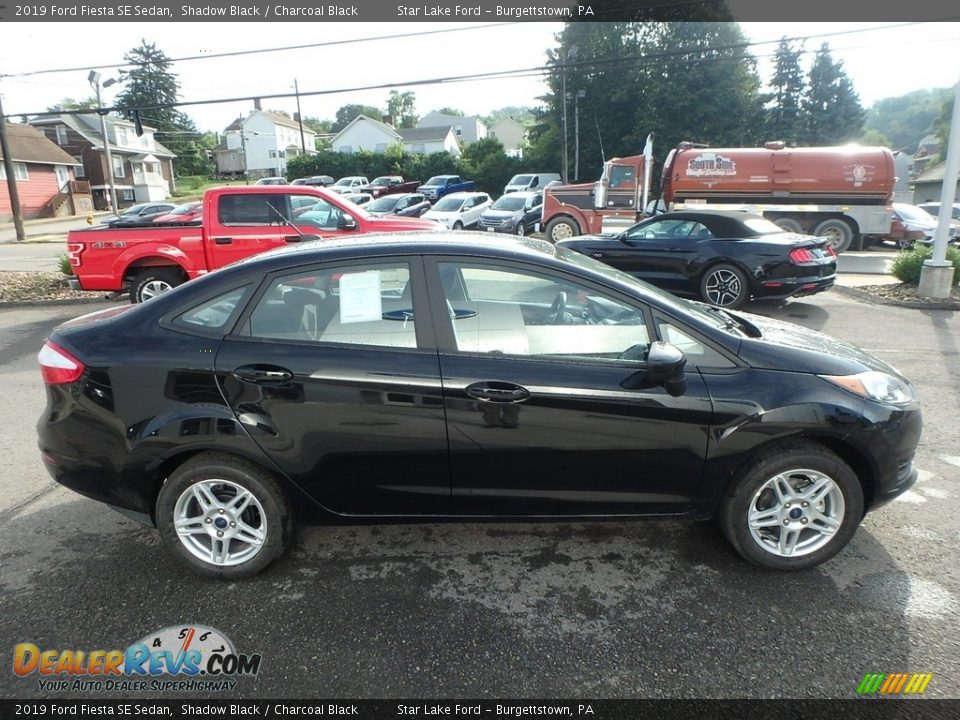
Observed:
{"x":223,"y":516}
{"x":458,"y":225}
{"x":725,"y":286}
{"x":151,"y":282}
{"x":561,"y":228}
{"x":793,"y":508}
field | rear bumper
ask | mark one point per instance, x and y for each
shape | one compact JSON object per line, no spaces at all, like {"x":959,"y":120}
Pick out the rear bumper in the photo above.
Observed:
{"x":797,"y":288}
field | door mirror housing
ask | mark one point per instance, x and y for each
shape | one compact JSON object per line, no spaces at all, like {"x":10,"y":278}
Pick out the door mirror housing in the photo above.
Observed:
{"x":347,"y":222}
{"x":665,"y":367}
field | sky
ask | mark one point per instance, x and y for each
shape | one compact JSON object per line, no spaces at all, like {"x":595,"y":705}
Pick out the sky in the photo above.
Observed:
{"x":882,"y":60}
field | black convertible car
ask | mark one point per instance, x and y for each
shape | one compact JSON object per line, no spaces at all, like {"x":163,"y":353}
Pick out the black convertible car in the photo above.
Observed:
{"x":453,"y":374}
{"x":722,"y":257}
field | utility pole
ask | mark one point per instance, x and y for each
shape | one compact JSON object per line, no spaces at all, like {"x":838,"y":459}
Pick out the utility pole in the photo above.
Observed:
{"x":303,"y":138}
{"x":11,"y":178}
{"x":576,"y":133}
{"x":936,"y":275}
{"x":563,"y":96}
{"x":243,"y":150}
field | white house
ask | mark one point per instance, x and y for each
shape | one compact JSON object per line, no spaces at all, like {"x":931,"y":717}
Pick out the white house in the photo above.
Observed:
{"x":261,"y":144}
{"x":468,"y":129}
{"x":364,"y":133}
{"x":512,"y":134}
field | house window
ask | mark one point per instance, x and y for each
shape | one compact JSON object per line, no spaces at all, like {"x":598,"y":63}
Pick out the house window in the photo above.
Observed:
{"x":381,"y":147}
{"x":121,"y":133}
{"x":19,"y":172}
{"x":459,"y":131}
{"x":418,"y":148}
{"x":282,"y":154}
{"x":126,"y":194}
{"x":62,"y":135}
{"x":78,"y":170}
{"x":118,"y":171}
{"x":273,"y":153}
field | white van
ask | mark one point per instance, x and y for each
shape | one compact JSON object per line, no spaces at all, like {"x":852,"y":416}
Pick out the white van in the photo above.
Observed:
{"x":530,"y":181}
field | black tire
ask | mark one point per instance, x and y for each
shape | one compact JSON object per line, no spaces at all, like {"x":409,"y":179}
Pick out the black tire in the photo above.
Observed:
{"x":561,"y":228}
{"x":724,"y":285}
{"x":150,"y":282}
{"x":789,"y":225}
{"x":810,"y":456}
{"x":521,"y":229}
{"x":458,"y":225}
{"x":236,"y":472}
{"x":838,"y":232}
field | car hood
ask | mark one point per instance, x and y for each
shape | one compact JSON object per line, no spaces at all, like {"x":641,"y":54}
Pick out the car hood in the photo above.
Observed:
{"x":501,"y":214}
{"x":787,"y":346}
{"x":441,"y":214}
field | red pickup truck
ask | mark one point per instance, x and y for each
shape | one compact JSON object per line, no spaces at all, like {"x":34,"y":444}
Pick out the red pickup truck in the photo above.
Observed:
{"x":148,"y":259}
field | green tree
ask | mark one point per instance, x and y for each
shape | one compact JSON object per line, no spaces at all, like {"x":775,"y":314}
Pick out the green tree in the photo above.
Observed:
{"x":152,"y":83}
{"x":906,"y":119}
{"x":449,"y":111}
{"x":874,"y":137}
{"x":401,"y":107}
{"x":787,"y":86}
{"x":523,"y":114}
{"x":831,"y":107}
{"x":347,"y":113}
{"x":71,"y":104}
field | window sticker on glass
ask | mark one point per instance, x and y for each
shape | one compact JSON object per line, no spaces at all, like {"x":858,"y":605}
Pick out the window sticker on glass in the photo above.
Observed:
{"x":360,"y":297}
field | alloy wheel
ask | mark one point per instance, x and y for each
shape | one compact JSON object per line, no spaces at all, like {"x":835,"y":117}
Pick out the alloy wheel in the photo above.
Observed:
{"x":220,"y":522}
{"x":153,"y":288}
{"x":723,"y":288}
{"x":796,"y":512}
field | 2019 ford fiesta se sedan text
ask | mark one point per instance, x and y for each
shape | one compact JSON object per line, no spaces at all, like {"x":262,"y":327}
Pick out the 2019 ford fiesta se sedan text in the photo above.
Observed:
{"x":459,"y":375}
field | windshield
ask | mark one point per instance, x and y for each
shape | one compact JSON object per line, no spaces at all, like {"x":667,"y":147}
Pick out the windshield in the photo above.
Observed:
{"x":705,"y":313}
{"x":509,"y":202}
{"x":762,"y":226}
{"x":436,"y":180}
{"x":520,"y":180}
{"x":347,"y":181}
{"x":384,"y":204}
{"x":909,"y":212}
{"x":449,"y":204}
{"x":381,"y":181}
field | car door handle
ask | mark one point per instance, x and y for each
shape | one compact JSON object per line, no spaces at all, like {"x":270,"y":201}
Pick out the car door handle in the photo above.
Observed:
{"x":262,"y":374}
{"x":493,"y":391}
{"x":223,"y":240}
{"x":597,"y":255}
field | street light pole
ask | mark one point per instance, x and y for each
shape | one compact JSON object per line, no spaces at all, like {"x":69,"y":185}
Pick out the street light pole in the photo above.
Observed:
{"x":303,"y":138}
{"x":94,"y":80}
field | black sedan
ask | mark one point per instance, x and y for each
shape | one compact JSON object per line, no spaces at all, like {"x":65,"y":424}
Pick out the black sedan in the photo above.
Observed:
{"x":467,"y":376}
{"x":722,"y":257}
{"x":405,"y":204}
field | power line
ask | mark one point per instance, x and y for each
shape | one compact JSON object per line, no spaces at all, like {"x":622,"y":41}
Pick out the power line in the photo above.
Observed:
{"x":601,"y":63}
{"x":235,"y":53}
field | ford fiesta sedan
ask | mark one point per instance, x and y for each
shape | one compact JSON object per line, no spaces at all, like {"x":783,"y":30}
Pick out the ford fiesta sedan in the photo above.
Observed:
{"x":466,"y":376}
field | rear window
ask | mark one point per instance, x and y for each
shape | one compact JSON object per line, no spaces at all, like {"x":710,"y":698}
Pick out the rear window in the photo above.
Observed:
{"x":253,"y":210}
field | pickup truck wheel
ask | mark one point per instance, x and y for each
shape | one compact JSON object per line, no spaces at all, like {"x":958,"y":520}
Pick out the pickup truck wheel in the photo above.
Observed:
{"x":837,"y":232}
{"x":561,"y":228}
{"x":152,"y":282}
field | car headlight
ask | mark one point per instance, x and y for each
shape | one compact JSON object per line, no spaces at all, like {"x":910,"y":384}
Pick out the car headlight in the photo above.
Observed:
{"x":875,"y":385}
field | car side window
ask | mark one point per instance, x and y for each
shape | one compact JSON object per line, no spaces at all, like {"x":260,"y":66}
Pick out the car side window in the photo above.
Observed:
{"x":698,"y":354}
{"x":311,"y":210}
{"x":520,"y":312}
{"x":358,"y":305}
{"x":672,"y":229}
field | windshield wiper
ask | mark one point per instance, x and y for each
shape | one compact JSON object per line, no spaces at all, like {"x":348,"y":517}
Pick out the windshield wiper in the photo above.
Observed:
{"x":732,"y":322}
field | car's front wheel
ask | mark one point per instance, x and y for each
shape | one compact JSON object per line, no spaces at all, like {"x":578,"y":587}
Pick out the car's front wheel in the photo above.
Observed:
{"x":793,"y":508}
{"x":223,"y":516}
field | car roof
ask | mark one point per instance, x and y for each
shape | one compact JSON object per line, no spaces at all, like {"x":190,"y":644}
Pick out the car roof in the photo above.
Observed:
{"x":522,"y":194}
{"x":722,"y":223}
{"x":463,"y":194}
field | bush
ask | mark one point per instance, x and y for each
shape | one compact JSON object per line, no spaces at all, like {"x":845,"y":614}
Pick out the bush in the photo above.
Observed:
{"x":63,"y":262}
{"x":908,"y":264}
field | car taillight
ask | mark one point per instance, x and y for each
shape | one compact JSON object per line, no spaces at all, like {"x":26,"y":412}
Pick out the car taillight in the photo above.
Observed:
{"x":830,"y":250}
{"x":802,"y":255}
{"x":57,"y":366}
{"x":73,"y":252}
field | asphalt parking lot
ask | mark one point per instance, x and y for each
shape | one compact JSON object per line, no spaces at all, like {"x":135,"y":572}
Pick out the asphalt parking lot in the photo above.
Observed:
{"x":585,"y":609}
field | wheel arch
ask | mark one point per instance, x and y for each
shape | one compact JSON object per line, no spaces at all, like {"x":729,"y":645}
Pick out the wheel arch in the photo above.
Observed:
{"x":572,"y":215}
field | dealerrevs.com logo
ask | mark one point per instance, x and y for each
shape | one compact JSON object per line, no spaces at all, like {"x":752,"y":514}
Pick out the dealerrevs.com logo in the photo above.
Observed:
{"x":187,"y":658}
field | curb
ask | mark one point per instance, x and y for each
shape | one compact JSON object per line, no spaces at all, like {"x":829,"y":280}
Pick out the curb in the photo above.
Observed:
{"x":910,"y":304}
{"x":5,"y":304}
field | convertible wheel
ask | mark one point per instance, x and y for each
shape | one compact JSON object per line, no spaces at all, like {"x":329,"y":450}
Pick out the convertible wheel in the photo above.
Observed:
{"x":223,"y":516}
{"x":724,"y":286}
{"x":796,"y":507}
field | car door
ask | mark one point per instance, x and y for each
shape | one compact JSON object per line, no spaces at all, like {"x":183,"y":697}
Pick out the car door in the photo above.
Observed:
{"x":546,"y":412}
{"x":658,"y":251}
{"x":331,"y":371}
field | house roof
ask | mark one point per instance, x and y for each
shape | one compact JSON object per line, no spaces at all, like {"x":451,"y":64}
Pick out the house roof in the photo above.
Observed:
{"x":389,"y":130}
{"x":509,"y":120}
{"x":436,"y":119}
{"x":425,"y":134}
{"x":29,"y":145}
{"x":931,"y":175}
{"x":88,"y":125}
{"x":275,"y":118}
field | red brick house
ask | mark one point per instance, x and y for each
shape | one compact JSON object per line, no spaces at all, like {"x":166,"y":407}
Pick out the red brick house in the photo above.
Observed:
{"x":46,"y":182}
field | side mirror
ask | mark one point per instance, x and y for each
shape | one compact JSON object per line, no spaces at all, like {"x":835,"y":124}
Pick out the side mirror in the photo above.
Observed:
{"x":665,"y":367}
{"x":346,"y":222}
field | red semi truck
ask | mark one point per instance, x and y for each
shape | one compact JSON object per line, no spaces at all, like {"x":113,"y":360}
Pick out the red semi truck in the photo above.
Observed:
{"x":841,"y":193}
{"x":238,"y":221}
